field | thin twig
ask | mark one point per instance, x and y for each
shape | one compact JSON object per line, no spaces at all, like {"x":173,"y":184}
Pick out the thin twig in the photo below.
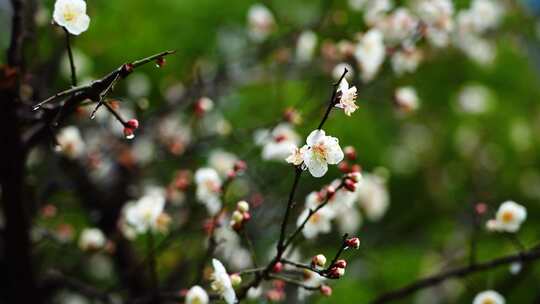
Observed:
{"x":71,"y":61}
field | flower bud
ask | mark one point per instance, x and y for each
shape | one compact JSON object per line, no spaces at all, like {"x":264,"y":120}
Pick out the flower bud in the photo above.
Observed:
{"x":318,"y":260}
{"x":128,"y":133}
{"x":356,"y":168}
{"x":247,"y":216}
{"x":350,"y":152}
{"x":480,"y":208}
{"x":236,"y":279}
{"x":344,"y":167}
{"x":133,"y":124}
{"x":336,"y":272}
{"x":330,"y":191}
{"x":160,"y":62}
{"x":353,"y":243}
{"x":278,"y":267}
{"x":240,"y":165}
{"x":326,"y":290}
{"x":237,"y":216}
{"x":242,"y":206}
{"x":341,"y":264}
{"x":350,"y":185}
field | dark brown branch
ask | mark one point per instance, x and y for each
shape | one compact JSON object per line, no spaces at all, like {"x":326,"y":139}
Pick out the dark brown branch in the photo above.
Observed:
{"x":71,"y":61}
{"x":527,"y":256}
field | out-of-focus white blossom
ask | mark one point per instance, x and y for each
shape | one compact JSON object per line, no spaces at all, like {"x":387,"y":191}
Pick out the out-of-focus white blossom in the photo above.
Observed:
{"x":81,"y":61}
{"x":509,"y":218}
{"x":370,"y":52}
{"x":222,"y":161}
{"x":197,"y":295}
{"x":357,"y":5}
{"x":144,"y":214}
{"x":477,"y":49}
{"x":474,"y":99}
{"x":305,"y":47}
{"x":310,"y":279}
{"x":438,"y":18}
{"x":406,"y":61}
{"x":407,"y":99}
{"x":230,"y":248}
{"x":321,"y":151}
{"x":318,"y":223}
{"x":375,"y":10}
{"x":260,"y":22}
{"x":373,"y":196}
{"x":70,"y":142}
{"x":488,"y":297}
{"x":71,"y":14}
{"x":277,"y":143}
{"x":92,"y":239}
{"x":208,"y":189}
{"x":138,"y":85}
{"x":487,"y":14}
{"x":398,"y":27}
{"x":221,"y":282}
{"x":347,"y":99}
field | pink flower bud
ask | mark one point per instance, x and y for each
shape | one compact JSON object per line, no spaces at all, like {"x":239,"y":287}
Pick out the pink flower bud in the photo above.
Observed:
{"x":318,"y":260}
{"x":240,"y":165}
{"x":326,"y":290}
{"x":247,"y":216}
{"x":350,"y":185}
{"x":341,"y":264}
{"x":330,"y":191}
{"x":128,"y":133}
{"x":353,"y":243}
{"x":133,"y":124}
{"x":344,"y":167}
{"x":336,"y":272}
{"x":278,"y":267}
{"x":480,"y":208}
{"x":350,"y":152}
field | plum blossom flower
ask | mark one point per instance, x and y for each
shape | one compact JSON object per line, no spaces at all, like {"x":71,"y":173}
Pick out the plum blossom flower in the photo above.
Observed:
{"x":375,"y":10}
{"x":297,"y":156}
{"x":70,"y":142}
{"x":208,"y":189}
{"x":437,"y":16}
{"x":260,"y":22}
{"x":92,"y":239}
{"x":373,"y":196}
{"x":221,"y":282}
{"x":398,"y":26}
{"x":305,"y":47}
{"x":407,"y":99}
{"x":489,"y":297}
{"x":197,"y":295}
{"x":144,"y":214}
{"x":370,"y":53}
{"x":406,"y":61}
{"x":321,"y":150}
{"x":278,"y":143}
{"x":347,"y":99}
{"x":509,"y":218}
{"x":222,"y":161}
{"x":71,"y":14}
{"x":319,"y":222}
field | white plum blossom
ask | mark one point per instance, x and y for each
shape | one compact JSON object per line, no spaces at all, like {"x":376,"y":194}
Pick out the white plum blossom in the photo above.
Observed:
{"x":277,"y":143}
{"x":347,"y":98}
{"x":144,"y":214}
{"x":406,"y":61}
{"x":321,"y":150}
{"x":370,"y":52}
{"x":222,"y":161}
{"x":260,"y":22}
{"x":71,"y":14}
{"x":437,"y":15}
{"x":477,"y":48}
{"x":373,"y":196}
{"x":70,"y":142}
{"x":297,"y":156}
{"x":474,"y":99}
{"x":208,"y":189}
{"x":489,"y":297}
{"x":398,"y":27}
{"x":319,"y":222}
{"x":407,"y":99}
{"x":305,"y":47}
{"x":221,"y":282}
{"x":197,"y":295}
{"x":509,"y":218}
{"x":92,"y":239}
{"x":357,"y":5}
{"x":231,"y":249}
{"x":375,"y":10}
{"x":310,"y":279}
{"x":487,"y":14}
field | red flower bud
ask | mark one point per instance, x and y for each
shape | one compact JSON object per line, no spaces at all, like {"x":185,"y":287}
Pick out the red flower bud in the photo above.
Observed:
{"x":336,"y":272}
{"x":278,"y":267}
{"x":240,"y":165}
{"x":330,"y":191}
{"x":231,"y":175}
{"x":133,"y":124}
{"x":128,"y":133}
{"x":160,"y":62}
{"x":353,"y":243}
{"x":278,"y":284}
{"x":344,"y":167}
{"x":326,"y":290}
{"x":350,"y":185}
{"x":350,"y":153}
{"x":341,"y":264}
{"x":356,"y":168}
{"x":480,"y":208}
{"x":247,"y":216}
